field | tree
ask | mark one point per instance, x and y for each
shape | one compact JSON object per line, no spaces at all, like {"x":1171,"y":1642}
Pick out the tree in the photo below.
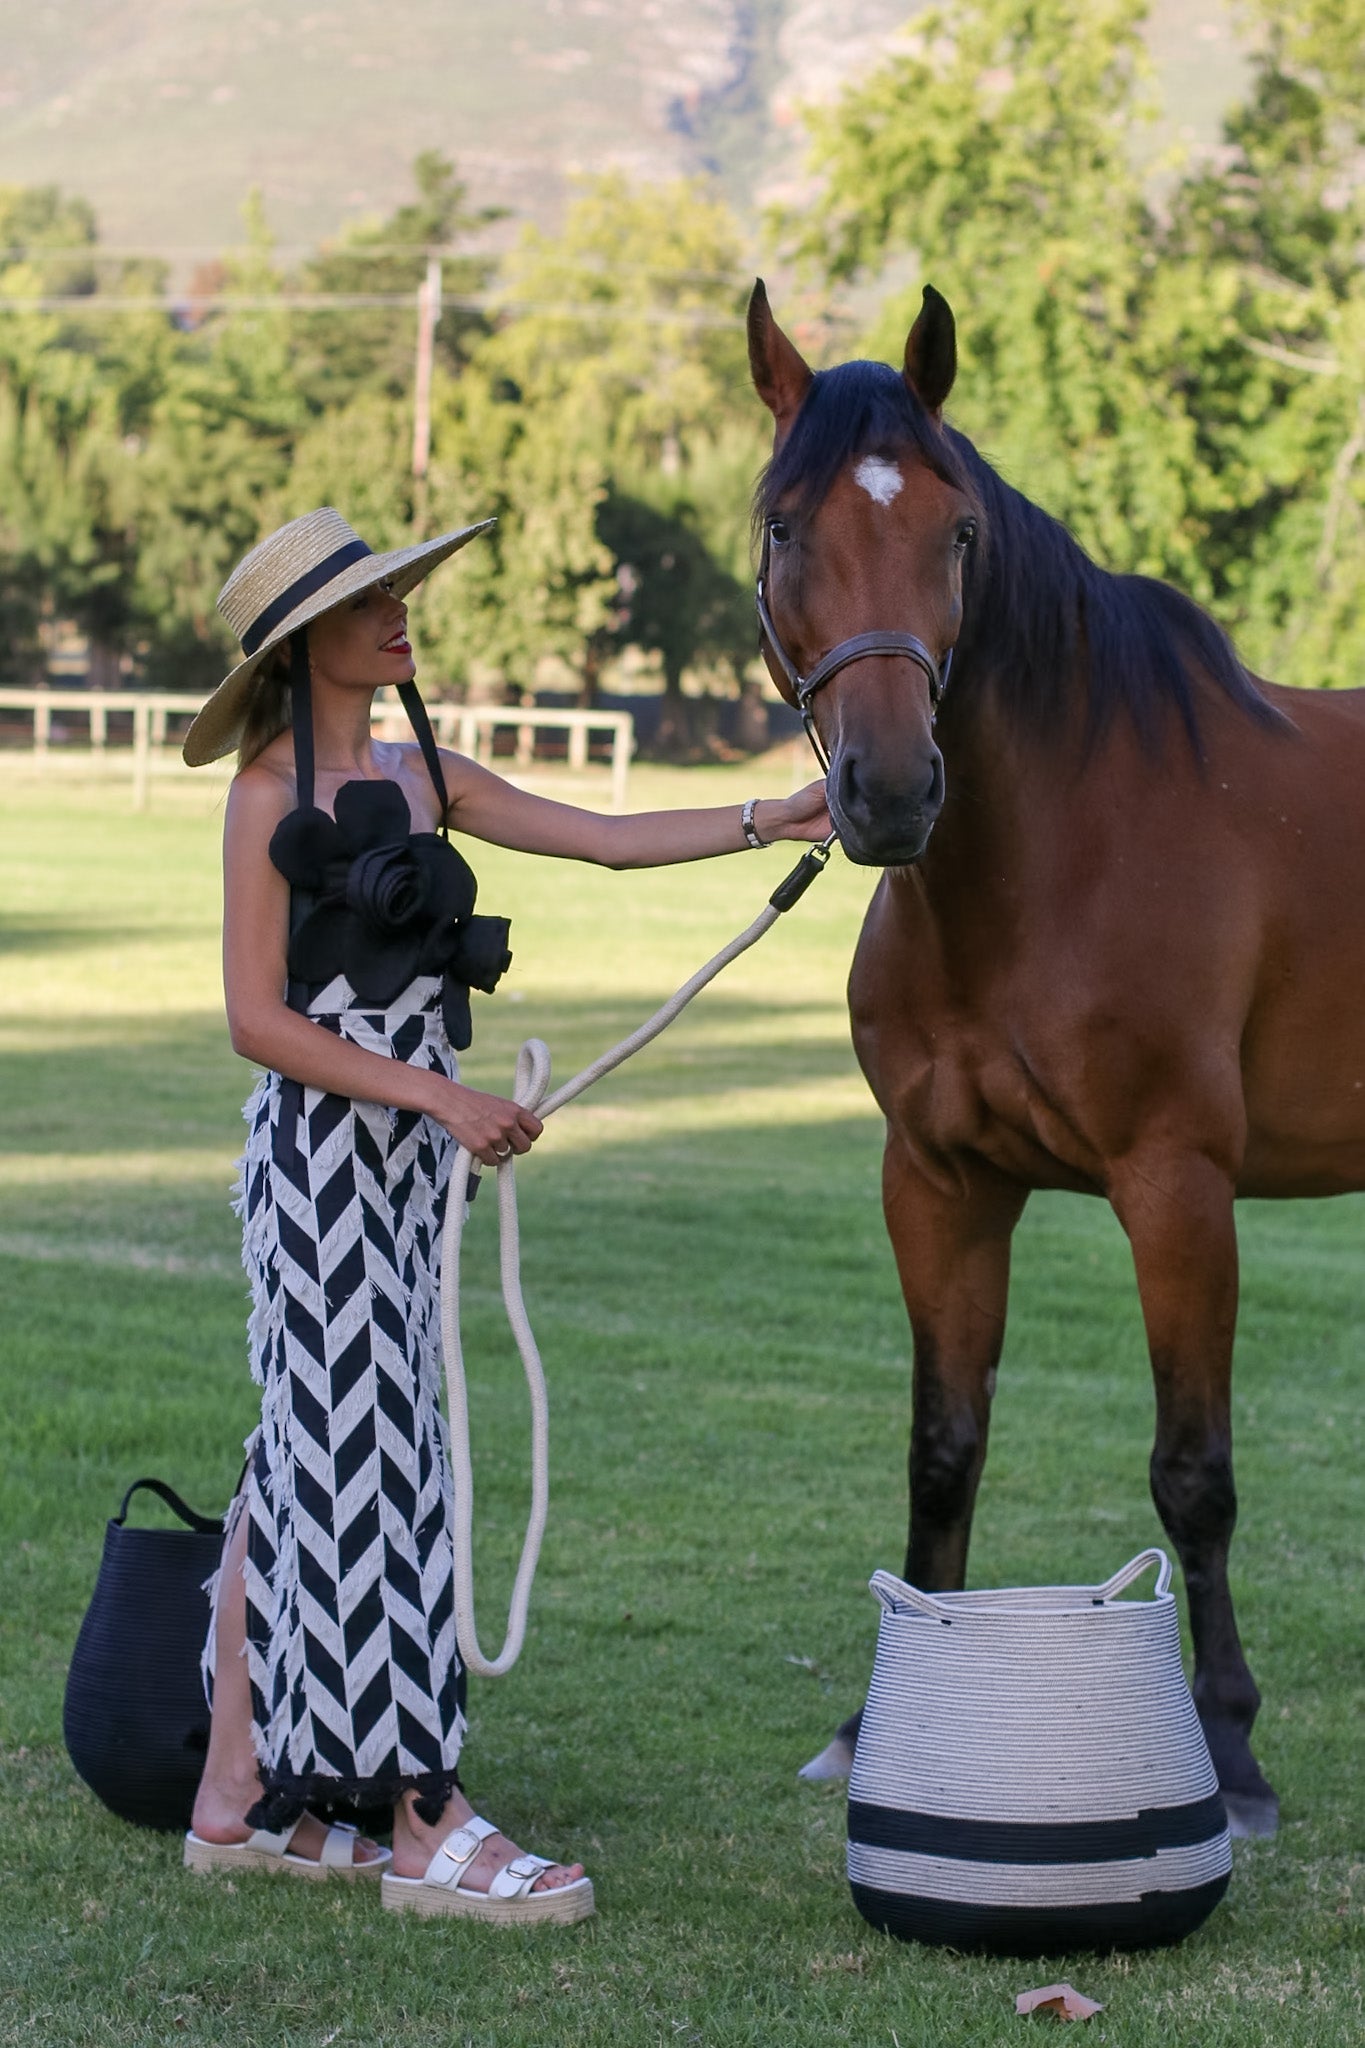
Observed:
{"x":624,"y":334}
{"x":630,"y":317}
{"x":372,"y":350}
{"x":39,"y":225}
{"x":1269,"y":245}
{"x":70,"y":388}
{"x":63,"y":528}
{"x":210,"y":458}
{"x":684,"y":588}
{"x":1185,"y":391}
{"x":999,"y":150}
{"x":541,"y":583}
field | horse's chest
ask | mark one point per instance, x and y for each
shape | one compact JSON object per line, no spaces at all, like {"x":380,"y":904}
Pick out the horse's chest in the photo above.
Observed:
{"x":969,"y":1095}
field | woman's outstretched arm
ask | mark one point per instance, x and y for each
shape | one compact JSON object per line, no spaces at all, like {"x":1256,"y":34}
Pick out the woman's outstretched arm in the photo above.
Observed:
{"x":262,"y":1026}
{"x":486,"y":807}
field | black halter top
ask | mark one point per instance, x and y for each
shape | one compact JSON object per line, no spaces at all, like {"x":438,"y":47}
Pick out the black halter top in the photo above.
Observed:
{"x":373,"y":900}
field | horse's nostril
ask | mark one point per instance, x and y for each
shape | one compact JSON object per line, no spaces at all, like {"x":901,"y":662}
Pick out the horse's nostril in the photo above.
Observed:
{"x":934,"y":800}
{"x":849,"y":789}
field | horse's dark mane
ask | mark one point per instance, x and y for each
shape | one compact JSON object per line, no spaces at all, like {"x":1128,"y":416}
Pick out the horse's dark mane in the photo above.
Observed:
{"x":1036,"y":605}
{"x":856,"y":409}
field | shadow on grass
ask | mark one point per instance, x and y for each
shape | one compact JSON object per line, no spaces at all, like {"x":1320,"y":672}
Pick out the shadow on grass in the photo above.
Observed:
{"x":20,"y":934}
{"x":134,"y":1083}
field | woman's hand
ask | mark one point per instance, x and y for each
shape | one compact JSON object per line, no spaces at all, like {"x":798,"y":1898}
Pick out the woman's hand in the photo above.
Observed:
{"x":491,"y":1126}
{"x":803,"y":815}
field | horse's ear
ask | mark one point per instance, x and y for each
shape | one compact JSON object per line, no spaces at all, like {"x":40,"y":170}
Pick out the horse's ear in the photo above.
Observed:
{"x":781,"y":377}
{"x":931,"y":352}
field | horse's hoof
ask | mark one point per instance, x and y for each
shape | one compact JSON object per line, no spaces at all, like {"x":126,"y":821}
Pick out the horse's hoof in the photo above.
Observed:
{"x":1252,"y":1813}
{"x":835,"y":1761}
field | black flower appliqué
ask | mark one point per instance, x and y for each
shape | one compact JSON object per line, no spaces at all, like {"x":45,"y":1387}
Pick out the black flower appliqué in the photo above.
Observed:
{"x":388,"y":904}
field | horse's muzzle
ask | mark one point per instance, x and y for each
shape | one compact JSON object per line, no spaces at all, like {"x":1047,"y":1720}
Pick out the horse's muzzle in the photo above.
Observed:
{"x":884,"y":822}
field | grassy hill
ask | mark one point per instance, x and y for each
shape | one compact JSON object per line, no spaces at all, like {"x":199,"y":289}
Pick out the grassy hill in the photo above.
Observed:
{"x":165,"y":112}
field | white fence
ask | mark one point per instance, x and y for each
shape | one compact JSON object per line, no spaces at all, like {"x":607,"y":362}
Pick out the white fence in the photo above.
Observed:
{"x":468,"y":728}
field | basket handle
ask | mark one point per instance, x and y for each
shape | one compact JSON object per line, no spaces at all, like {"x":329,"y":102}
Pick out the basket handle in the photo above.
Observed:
{"x":202,"y":1525}
{"x":1134,"y":1569}
{"x":894,"y":1593}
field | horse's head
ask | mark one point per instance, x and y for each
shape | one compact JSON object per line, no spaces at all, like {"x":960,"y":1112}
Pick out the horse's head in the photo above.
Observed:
{"x":866,"y":518}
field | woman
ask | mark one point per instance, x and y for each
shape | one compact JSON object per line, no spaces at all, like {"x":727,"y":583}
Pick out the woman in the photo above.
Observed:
{"x":350,"y":945}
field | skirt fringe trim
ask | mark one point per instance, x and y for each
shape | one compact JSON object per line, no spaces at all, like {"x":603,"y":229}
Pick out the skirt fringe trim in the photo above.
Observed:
{"x":287,"y":1797}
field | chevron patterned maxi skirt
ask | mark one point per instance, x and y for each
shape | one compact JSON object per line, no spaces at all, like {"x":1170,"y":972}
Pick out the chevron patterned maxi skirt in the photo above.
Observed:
{"x":355,"y":1678}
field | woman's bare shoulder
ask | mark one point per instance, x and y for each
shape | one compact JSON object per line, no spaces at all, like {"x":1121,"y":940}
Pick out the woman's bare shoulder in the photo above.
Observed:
{"x":460,"y":771}
{"x":262,"y":793}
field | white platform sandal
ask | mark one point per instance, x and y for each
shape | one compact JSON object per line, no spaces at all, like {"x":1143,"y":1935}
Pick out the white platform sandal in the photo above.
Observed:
{"x":509,"y":1900}
{"x":264,"y":1851}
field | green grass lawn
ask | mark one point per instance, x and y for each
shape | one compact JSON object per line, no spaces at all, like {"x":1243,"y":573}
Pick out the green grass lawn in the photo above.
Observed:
{"x":728,"y":1364}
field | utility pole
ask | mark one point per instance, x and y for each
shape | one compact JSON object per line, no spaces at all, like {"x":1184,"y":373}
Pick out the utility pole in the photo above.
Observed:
{"x":428,"y":313}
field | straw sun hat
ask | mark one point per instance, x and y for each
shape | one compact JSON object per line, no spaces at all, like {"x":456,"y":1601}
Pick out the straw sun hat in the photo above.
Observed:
{"x":288,"y":579}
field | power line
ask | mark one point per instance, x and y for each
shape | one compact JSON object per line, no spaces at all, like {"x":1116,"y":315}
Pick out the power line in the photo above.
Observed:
{"x":99,"y":252}
{"x":205,"y":302}
{"x":201,"y":304}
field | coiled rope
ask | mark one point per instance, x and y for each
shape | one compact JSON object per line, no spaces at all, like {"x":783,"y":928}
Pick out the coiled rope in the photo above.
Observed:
{"x":530,"y":1090}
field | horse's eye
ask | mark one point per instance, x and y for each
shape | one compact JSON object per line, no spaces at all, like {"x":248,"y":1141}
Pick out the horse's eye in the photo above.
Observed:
{"x":779,"y":533}
{"x":966,"y":534}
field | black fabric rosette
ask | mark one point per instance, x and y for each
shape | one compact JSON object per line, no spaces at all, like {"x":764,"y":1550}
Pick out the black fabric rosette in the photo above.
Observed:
{"x":387,"y":904}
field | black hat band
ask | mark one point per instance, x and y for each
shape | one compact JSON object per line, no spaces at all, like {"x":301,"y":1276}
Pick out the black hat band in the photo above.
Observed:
{"x":299,"y":591}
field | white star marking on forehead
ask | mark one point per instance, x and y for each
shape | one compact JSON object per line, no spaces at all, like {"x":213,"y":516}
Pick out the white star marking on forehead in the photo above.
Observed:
{"x":879,"y":478}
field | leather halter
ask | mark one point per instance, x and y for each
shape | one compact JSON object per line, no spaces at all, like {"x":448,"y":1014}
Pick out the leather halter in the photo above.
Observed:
{"x":859,"y":648}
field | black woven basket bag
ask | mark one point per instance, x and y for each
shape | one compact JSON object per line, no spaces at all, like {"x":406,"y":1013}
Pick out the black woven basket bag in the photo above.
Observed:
{"x":135,"y":1719}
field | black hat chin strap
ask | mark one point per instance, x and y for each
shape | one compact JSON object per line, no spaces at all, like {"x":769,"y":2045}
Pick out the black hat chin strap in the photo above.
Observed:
{"x":301,"y":694}
{"x":411,"y":699}
{"x":301,"y":701}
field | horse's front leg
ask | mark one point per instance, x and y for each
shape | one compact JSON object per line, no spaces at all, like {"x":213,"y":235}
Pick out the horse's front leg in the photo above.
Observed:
{"x":1178,"y":1214}
{"x":951,"y":1236}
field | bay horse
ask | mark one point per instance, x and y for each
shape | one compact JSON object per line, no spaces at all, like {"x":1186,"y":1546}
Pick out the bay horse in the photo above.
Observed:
{"x":1118,"y":945}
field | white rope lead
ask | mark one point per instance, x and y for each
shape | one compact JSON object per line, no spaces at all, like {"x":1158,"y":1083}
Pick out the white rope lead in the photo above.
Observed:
{"x":532,"y":1081}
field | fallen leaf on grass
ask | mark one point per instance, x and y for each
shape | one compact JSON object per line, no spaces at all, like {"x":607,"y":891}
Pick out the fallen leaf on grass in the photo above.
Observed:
{"x":1060,"y":2000}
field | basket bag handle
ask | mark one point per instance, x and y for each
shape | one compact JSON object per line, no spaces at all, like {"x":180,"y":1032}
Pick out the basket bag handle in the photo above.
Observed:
{"x":1134,"y":1569}
{"x":895,"y":1593}
{"x":203,"y":1525}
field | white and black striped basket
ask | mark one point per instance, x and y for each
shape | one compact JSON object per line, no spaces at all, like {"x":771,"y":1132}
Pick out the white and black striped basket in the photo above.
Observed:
{"x":1031,"y":1775}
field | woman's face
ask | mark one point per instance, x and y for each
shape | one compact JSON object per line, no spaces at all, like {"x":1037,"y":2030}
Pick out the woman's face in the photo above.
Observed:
{"x":363,"y":642}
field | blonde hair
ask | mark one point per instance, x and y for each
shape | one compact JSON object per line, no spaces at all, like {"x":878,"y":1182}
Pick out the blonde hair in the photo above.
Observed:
{"x":270,"y":710}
